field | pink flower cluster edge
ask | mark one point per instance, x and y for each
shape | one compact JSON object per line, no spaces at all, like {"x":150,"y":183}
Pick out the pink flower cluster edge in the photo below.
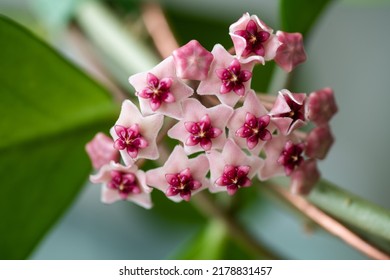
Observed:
{"x":228,"y":133}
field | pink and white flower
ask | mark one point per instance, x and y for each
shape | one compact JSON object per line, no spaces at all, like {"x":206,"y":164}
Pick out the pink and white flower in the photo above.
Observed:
{"x":228,"y":79}
{"x":101,"y":150}
{"x":135,"y":135}
{"x":288,"y":112}
{"x":123,"y":183}
{"x":291,"y":52}
{"x":283,"y":155}
{"x":232,"y":169}
{"x":180,"y":177}
{"x":192,"y":61}
{"x":201,"y":128}
{"x":250,"y":125}
{"x":253,"y":39}
{"x":160,"y":91}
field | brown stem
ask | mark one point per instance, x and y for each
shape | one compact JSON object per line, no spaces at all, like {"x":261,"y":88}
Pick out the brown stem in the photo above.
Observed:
{"x":266,"y":97}
{"x":158,"y":28}
{"x":210,"y":208}
{"x":330,"y":224}
{"x":97,"y":70}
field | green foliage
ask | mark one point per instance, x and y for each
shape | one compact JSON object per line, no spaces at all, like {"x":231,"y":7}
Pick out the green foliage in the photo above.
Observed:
{"x":212,"y":243}
{"x":48,"y":109}
{"x":353,"y":210}
{"x":300,"y":15}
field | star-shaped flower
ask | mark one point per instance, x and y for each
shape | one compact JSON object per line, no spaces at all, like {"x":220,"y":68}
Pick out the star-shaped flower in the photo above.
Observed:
{"x":250,"y":125}
{"x":101,"y":150}
{"x":232,"y":169}
{"x":321,"y":106}
{"x":288,"y":112}
{"x":291,"y":52}
{"x":135,"y":135}
{"x":283,"y":155}
{"x":192,"y":61}
{"x":123,"y":183}
{"x":180,"y":177}
{"x":160,"y":91}
{"x":228,"y":79}
{"x":201,"y":128}
{"x":253,"y":39}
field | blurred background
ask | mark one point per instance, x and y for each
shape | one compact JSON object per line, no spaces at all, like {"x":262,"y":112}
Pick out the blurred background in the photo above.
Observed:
{"x":348,"y":50}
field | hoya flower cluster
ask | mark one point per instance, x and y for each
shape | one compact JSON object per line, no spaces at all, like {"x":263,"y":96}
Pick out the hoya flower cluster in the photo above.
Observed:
{"x":228,"y":133}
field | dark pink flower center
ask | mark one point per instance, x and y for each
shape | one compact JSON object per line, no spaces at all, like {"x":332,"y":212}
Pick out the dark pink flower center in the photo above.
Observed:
{"x":125,"y":183}
{"x":158,"y":91}
{"x":297,"y":111}
{"x":234,"y":177}
{"x":201,"y":133}
{"x":182,"y":184}
{"x":291,"y":156}
{"x":233,"y":78}
{"x":254,"y":129}
{"x":254,"y":39}
{"x":130,"y":139}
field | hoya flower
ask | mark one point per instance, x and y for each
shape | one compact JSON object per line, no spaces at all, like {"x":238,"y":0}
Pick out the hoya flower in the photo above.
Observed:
{"x":253,"y":39}
{"x":201,"y":128}
{"x":319,"y":141}
{"x":283,"y":155}
{"x":288,"y":112}
{"x":232,"y":169}
{"x":291,"y":156}
{"x":180,"y":177}
{"x":305,"y":177}
{"x":321,"y":106}
{"x":291,"y":52}
{"x":160,"y":91}
{"x":101,"y":150}
{"x":228,"y":79}
{"x":192,"y":61}
{"x":135,"y":135}
{"x":123,"y":183}
{"x":250,"y":125}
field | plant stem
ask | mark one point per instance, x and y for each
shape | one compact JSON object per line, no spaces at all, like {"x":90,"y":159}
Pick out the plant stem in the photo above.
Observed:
{"x":330,"y":224}
{"x":158,"y":28}
{"x":352,"y":209}
{"x":126,"y":53}
{"x":209,"y":208}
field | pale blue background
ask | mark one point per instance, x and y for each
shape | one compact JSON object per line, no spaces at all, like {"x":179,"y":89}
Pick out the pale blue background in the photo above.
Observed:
{"x":349,"y":51}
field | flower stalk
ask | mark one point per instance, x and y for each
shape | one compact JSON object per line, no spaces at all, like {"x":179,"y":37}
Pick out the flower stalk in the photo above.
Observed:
{"x":329,"y":224}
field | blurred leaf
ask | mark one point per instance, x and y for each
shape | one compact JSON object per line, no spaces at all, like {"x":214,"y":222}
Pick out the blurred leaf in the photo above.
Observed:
{"x":349,"y":208}
{"x":300,"y":15}
{"x":182,"y":212}
{"x":212,"y":243}
{"x":55,"y":15}
{"x":48,"y":110}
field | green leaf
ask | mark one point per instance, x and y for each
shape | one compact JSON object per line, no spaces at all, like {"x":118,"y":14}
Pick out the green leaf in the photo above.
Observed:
{"x":352,"y":209}
{"x":212,"y":243}
{"x":48,"y":110}
{"x":300,"y":15}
